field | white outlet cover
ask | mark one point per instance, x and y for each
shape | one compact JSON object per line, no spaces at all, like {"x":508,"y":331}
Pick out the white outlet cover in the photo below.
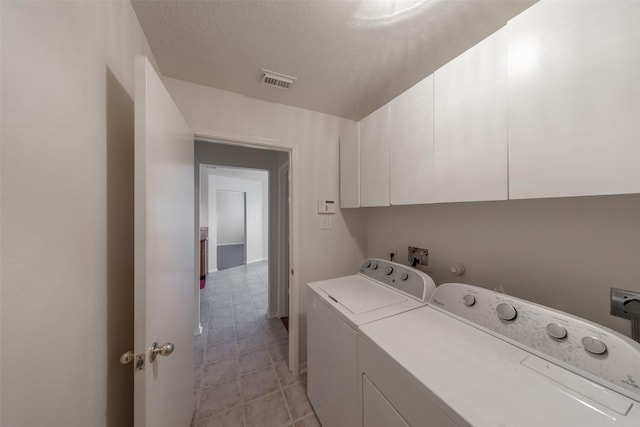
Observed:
{"x":326,"y":223}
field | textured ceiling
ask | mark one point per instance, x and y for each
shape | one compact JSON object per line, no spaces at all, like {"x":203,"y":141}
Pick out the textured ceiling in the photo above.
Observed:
{"x":350,"y":56}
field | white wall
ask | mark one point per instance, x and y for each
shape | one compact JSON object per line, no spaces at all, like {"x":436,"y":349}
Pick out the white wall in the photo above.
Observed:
{"x":230,"y":216}
{"x":322,"y":253}
{"x":67,"y":81}
{"x":564,"y":253}
{"x":204,"y":195}
{"x":257,"y":213}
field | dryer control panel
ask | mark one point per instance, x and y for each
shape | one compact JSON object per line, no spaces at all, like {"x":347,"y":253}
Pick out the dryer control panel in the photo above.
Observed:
{"x":586,"y":348}
{"x":405,"y":279}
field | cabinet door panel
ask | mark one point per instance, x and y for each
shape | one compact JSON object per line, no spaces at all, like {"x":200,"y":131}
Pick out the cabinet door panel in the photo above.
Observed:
{"x":411,"y":145}
{"x":374,"y":158}
{"x":574,"y":99}
{"x":350,"y":167}
{"x":376,"y":409}
{"x":332,"y":365}
{"x":470,"y":156}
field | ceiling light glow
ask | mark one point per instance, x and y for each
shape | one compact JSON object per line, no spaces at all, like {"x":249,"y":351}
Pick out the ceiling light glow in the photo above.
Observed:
{"x":383,"y":13}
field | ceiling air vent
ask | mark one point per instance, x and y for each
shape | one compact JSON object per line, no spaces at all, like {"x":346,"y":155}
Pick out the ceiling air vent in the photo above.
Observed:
{"x":281,"y":81}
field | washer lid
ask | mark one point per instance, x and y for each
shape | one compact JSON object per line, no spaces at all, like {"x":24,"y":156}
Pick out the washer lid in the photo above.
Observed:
{"x":361,"y":295}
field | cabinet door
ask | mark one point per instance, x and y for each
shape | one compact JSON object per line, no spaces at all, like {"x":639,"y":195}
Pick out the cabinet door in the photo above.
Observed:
{"x":376,"y":409}
{"x":470,"y":146}
{"x":574,"y":99}
{"x":350,"y":167}
{"x":374,"y":158}
{"x":411,"y":145}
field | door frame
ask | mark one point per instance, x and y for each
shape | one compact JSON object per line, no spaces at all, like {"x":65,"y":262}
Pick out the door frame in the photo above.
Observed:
{"x":283,"y":268}
{"x":294,"y":287}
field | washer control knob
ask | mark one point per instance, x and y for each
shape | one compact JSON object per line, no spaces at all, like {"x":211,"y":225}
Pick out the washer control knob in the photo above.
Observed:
{"x":469,"y":300}
{"x":594,"y":345}
{"x":556,"y":331}
{"x":404,"y":276}
{"x":374,"y":266}
{"x":367,"y":264}
{"x":506,"y":311}
{"x":388,"y":270}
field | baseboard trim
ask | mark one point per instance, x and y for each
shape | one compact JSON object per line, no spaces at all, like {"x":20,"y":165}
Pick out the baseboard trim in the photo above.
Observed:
{"x":198,"y":330}
{"x":213,"y":271}
{"x":271,"y":315}
{"x":303,"y":368}
{"x":257,"y":260}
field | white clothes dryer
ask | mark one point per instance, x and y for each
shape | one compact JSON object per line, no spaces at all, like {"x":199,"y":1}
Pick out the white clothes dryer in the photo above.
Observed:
{"x":335,"y":309}
{"x":475,"y":357}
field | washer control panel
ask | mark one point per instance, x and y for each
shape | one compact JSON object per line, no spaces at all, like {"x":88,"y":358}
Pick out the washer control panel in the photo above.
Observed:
{"x":590,"y":350}
{"x":407,"y":280}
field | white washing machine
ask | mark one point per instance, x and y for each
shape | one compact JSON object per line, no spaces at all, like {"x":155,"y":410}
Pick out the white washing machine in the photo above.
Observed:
{"x":335,"y":309}
{"x":474,"y":357}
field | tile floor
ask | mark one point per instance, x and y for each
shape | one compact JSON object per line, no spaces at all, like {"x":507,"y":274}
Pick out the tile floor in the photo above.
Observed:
{"x":241,"y":372}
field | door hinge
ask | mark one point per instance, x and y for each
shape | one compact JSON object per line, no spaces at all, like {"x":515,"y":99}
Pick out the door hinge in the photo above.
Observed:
{"x":130,"y":356}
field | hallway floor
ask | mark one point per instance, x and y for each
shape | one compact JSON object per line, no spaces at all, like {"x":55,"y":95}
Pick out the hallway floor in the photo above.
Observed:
{"x":241,"y":372}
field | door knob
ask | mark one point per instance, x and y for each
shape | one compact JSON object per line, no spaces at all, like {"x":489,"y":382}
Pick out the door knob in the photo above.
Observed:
{"x":163,"y":350}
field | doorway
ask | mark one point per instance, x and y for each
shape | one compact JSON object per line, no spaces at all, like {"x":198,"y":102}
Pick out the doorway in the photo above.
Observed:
{"x":253,"y":155}
{"x":231,"y":223}
{"x":240,"y":306}
{"x":217,"y":157}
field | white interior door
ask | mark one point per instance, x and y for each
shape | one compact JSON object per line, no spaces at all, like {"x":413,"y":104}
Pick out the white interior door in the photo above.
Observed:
{"x":164,"y":255}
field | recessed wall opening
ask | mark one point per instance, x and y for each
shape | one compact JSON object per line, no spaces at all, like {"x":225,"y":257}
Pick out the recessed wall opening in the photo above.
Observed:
{"x":242,"y":216}
{"x":234,"y":216}
{"x":231,"y":224}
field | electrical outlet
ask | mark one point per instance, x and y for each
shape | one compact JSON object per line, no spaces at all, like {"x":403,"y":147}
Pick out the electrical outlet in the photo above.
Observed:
{"x":326,"y":223}
{"x":392,"y":253}
{"x":418,"y":256}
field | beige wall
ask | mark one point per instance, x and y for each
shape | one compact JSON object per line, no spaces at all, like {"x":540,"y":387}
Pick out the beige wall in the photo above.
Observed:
{"x":321,"y":253}
{"x":67,"y":212}
{"x":565,"y":253}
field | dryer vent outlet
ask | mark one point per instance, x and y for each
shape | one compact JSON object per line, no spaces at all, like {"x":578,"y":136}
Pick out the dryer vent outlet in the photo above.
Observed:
{"x":418,"y":257}
{"x":281,"y":81}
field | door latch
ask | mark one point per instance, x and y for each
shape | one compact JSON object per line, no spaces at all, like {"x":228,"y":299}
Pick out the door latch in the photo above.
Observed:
{"x":130,"y":356}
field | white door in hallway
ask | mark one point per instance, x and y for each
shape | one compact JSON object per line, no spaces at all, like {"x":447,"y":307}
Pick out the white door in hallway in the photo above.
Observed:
{"x":164,"y":254}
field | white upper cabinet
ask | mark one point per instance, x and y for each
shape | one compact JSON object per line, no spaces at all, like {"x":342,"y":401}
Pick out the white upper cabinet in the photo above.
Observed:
{"x":470,"y":146}
{"x":574,"y":99}
{"x":411,"y":145}
{"x":350,"y":167}
{"x":374,"y":158}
